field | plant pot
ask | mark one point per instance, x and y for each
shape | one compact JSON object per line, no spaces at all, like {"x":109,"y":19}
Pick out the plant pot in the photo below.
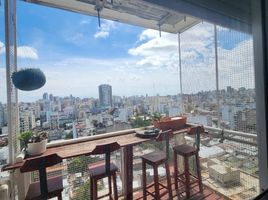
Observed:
{"x":174,"y":123}
{"x":37,"y":148}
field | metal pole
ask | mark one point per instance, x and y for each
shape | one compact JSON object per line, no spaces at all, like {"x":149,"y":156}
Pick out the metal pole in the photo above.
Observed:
{"x":217,"y":74}
{"x":260,"y":45}
{"x":12,"y":98}
{"x":179,"y":49}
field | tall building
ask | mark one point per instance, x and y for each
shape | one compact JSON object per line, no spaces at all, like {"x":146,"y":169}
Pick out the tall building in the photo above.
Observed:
{"x":45,"y":96}
{"x":27,"y":121}
{"x":105,"y":95}
{"x":51,"y":97}
{"x":53,"y":119}
{"x":2,"y":115}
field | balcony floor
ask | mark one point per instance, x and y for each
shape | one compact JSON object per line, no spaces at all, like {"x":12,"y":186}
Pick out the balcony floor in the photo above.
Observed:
{"x":208,"y":194}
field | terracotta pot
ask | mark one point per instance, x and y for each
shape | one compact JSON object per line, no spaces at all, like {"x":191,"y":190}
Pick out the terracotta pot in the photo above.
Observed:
{"x":37,"y":148}
{"x":174,"y":123}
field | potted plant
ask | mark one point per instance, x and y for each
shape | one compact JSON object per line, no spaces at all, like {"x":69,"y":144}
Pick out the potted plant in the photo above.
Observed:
{"x":28,"y":79}
{"x":24,"y":138}
{"x":35,"y":142}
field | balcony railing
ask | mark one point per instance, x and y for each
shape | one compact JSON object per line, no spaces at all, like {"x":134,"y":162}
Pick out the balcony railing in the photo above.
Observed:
{"x":220,"y":150}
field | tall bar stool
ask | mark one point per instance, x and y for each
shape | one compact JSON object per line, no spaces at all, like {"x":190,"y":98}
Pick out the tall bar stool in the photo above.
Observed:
{"x":45,"y":188}
{"x":187,"y":151}
{"x":104,"y":170}
{"x":155,"y":159}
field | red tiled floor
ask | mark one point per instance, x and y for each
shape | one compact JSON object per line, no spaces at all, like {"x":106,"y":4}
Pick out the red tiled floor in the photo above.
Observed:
{"x":207,"y":194}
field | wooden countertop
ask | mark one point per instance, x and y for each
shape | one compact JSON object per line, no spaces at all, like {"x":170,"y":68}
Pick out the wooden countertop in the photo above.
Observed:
{"x":85,"y":148}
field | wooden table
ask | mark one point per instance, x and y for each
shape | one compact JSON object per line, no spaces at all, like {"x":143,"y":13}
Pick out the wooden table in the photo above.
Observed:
{"x":127,"y":141}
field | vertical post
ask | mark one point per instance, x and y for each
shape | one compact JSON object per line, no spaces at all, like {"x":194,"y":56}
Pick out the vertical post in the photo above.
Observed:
{"x":43,"y":180}
{"x":260,"y":39}
{"x":217,"y":74}
{"x":128,"y":172}
{"x":12,"y":98}
{"x":179,"y":49}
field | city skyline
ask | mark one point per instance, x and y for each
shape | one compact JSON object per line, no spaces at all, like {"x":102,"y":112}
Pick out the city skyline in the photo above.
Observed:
{"x":48,"y":95}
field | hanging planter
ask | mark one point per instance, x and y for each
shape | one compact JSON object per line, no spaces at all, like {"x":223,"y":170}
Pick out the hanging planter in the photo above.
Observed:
{"x":28,"y":79}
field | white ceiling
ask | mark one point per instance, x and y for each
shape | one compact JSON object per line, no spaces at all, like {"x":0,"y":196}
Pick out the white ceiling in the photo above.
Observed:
{"x":135,"y":12}
{"x":234,"y":14}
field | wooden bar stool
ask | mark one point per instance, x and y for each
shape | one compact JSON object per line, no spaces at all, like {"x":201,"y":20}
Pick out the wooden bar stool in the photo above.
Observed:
{"x":186,"y":151}
{"x":155,"y":159}
{"x":103,"y":170}
{"x":44,"y":188}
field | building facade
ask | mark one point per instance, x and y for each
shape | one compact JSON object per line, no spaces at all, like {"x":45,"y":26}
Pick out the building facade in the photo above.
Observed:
{"x":105,"y":95}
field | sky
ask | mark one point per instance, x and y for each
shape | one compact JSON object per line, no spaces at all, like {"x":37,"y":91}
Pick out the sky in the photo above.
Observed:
{"x":76,"y":56}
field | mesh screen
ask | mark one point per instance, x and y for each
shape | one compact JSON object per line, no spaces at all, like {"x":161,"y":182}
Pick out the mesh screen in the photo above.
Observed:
{"x":230,"y":166}
{"x":11,"y":108}
{"x":229,"y":161}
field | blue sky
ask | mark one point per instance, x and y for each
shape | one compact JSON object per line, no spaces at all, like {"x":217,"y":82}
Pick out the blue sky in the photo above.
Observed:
{"x":76,"y":55}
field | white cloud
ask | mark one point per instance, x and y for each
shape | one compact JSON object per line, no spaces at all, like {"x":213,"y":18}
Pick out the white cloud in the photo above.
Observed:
{"x":27,"y":52}
{"x":104,"y":30}
{"x":148,"y":34}
{"x":3,"y":97}
{"x":85,"y":21}
{"x":22,"y":51}
{"x":2,"y":47}
{"x":156,"y":53}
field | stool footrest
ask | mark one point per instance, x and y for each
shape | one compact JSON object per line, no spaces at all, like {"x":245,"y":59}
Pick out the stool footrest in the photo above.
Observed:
{"x":152,"y":184}
{"x":105,"y":195}
{"x":191,"y":175}
{"x":153,"y":193}
{"x":195,"y":180}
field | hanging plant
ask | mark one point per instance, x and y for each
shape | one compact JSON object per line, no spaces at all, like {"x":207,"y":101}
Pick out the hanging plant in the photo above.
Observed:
{"x":28,"y":79}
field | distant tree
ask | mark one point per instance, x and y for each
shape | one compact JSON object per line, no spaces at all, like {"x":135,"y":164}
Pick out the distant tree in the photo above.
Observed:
{"x":80,"y":164}
{"x":140,"y":122}
{"x":82,"y":192}
{"x":69,"y":135}
{"x":156,"y":116}
{"x":75,"y":166}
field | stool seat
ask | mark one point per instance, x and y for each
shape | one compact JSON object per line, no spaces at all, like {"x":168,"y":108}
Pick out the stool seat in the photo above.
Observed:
{"x":55,"y":187}
{"x":99,"y":171}
{"x":155,"y":158}
{"x":185,"y":150}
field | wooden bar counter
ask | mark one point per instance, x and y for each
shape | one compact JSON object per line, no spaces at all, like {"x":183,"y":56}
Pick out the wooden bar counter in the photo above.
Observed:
{"x":127,"y":141}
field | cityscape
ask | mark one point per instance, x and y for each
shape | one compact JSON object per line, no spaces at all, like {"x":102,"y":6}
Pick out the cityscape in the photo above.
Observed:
{"x":111,"y":72}
{"x":73,"y":117}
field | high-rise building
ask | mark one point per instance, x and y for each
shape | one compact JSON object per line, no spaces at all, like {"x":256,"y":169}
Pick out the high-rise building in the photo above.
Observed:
{"x":27,"y":121}
{"x":51,"y":97}
{"x":2,"y":115}
{"x":45,"y":96}
{"x":105,"y":95}
{"x":53,"y":119}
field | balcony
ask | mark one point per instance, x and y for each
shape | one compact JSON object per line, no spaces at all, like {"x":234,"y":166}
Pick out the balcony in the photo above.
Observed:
{"x":229,"y":159}
{"x":222,"y":153}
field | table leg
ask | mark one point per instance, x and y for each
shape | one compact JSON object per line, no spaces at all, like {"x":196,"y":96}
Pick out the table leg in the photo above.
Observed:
{"x":43,"y":181}
{"x":128,"y":172}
